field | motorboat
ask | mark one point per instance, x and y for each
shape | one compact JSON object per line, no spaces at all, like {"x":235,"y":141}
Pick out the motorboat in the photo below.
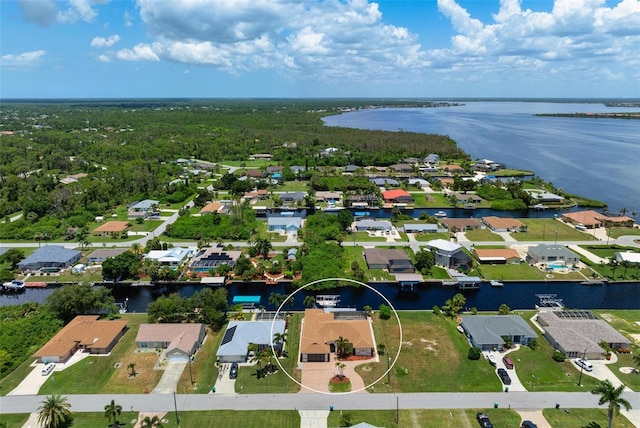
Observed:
{"x":440,"y":214}
{"x":13,"y":285}
{"x":549,"y":302}
{"x":328,"y":300}
{"x":492,"y":359}
{"x":460,"y":329}
{"x":495,"y":283}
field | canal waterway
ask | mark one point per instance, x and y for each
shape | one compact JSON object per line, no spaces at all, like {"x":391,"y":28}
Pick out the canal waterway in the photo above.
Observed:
{"x":517,"y":295}
{"x":596,"y":158}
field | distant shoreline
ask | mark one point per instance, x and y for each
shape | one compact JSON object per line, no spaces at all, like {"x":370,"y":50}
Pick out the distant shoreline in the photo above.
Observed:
{"x":631,"y":116}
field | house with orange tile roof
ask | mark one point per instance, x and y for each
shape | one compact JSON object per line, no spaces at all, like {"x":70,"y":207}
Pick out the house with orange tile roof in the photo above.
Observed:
{"x":503,"y":224}
{"x":214,"y":207}
{"x":397,"y":196}
{"x":497,"y":255}
{"x":86,"y":333}
{"x":592,"y":219}
{"x":320,"y":330}
{"x":111,"y":227}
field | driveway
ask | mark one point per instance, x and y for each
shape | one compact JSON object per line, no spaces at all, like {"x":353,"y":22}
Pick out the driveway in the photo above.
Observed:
{"x":169,"y":380}
{"x":32,"y":383}
{"x":516,"y":385}
{"x":317,"y":375}
{"x":601,"y":371}
{"x":536,"y":417}
{"x":225,"y":385}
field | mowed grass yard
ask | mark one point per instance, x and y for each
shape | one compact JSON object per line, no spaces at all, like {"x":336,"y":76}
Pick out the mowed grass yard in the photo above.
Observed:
{"x":433,"y":357}
{"x":99,"y":375}
{"x":422,"y":418}
{"x":583,"y":418}
{"x":545,"y":230}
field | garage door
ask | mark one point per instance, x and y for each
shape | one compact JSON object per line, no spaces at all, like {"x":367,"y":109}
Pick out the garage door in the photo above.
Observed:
{"x":177,"y":358}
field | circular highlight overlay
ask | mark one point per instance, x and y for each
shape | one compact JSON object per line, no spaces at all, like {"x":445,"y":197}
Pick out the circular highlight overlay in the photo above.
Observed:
{"x":290,"y":296}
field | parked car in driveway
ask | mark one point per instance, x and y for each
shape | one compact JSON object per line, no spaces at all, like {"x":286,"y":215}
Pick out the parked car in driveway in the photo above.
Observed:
{"x":504,"y":376}
{"x":484,"y":420}
{"x":233,"y":372}
{"x":507,"y":362}
{"x":528,"y":424}
{"x":584,"y":364}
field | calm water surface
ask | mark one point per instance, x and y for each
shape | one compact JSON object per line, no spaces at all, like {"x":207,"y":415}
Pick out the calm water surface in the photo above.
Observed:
{"x":596,"y":158}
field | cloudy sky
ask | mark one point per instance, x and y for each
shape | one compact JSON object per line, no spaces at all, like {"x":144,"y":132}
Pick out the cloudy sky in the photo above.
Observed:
{"x":319,"y":48}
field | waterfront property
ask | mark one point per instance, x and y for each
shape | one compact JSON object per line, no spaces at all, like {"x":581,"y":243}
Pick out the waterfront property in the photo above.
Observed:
{"x":49,"y":258}
{"x":363,"y":225}
{"x":448,"y":254}
{"x":461,"y":224}
{"x":321,"y":330}
{"x":421,"y":228}
{"x":234,"y":347}
{"x":98,"y":256}
{"x":489,"y":332}
{"x":397,"y":196}
{"x":552,"y":254}
{"x":284,"y":224}
{"x":503,"y":224}
{"x":212,"y":257}
{"x":579,"y":333}
{"x":592,"y":219}
{"x":172,"y":257}
{"x":497,"y":255}
{"x":628,"y":256}
{"x":395,"y":261}
{"x":84,"y":332}
{"x":180,"y":341}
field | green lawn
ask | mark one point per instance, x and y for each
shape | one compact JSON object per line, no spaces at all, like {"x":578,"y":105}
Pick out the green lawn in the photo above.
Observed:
{"x":203,"y":369}
{"x":247,"y":383}
{"x":616,"y":232}
{"x":426,"y":418}
{"x":632,"y":380}
{"x":364,"y":237}
{"x":425,"y":237}
{"x":544,"y":229}
{"x":430,"y":342}
{"x":482,"y":235}
{"x":14,"y":419}
{"x":520,"y":271}
{"x":539,"y":372}
{"x":292,"y":186}
{"x":88,"y":276}
{"x":607,"y":251}
{"x":583,"y":418}
{"x":13,"y":379}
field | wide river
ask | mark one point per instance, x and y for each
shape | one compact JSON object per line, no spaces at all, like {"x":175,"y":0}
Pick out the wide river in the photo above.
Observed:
{"x":596,"y":158}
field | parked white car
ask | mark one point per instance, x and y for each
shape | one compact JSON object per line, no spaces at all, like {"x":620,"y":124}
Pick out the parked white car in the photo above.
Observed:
{"x":584,"y":364}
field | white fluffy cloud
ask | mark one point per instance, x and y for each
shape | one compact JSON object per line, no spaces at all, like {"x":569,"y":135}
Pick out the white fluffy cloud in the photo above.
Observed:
{"x":22,"y":61}
{"x":350,"y":40}
{"x":105,"y":42}
{"x":39,"y":12}
{"x":80,"y":10}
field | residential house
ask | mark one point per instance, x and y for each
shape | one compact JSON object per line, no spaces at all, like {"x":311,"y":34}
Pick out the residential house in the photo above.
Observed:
{"x":488,"y":332}
{"x":546,"y":197}
{"x":421,"y":228}
{"x":111,"y":228}
{"x":592,"y":219}
{"x":98,"y":256}
{"x":330,"y":197}
{"x":212,"y":257}
{"x":552,"y":254}
{"x":461,"y":224}
{"x":260,"y":156}
{"x":432,"y":158}
{"x":73,"y":178}
{"x":628,"y":256}
{"x":445,"y":182}
{"x":215,"y":207}
{"x":395,"y":261}
{"x":350,"y":169}
{"x":256,"y":196}
{"x":503,"y":224}
{"x":49,"y":258}
{"x":172,"y":257}
{"x":579,"y":333}
{"x":256,"y":174}
{"x":497,"y":255}
{"x":397,"y":196}
{"x":385,"y":182}
{"x":284,"y":224}
{"x":178,"y":340}
{"x":141,"y":209}
{"x":369,"y":200}
{"x":274,"y":169}
{"x":234,"y":347}
{"x":86,"y":333}
{"x":362,"y":225}
{"x":321,"y":330}
{"x":486,"y":165}
{"x":401,"y":168}
{"x":468,"y":198}
{"x":452,"y":168}
{"x":291,"y":197}
{"x":421,"y":182}
{"x":447,"y":253}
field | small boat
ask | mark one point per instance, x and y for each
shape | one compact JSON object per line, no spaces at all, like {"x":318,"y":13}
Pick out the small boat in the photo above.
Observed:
{"x":549,"y":302}
{"x":13,"y":285}
{"x":492,"y":359}
{"x":495,"y":283}
{"x":328,"y":300}
{"x":440,"y":214}
{"x":460,"y":329}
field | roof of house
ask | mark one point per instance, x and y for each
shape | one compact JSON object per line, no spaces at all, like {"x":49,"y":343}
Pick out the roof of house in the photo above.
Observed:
{"x":50,"y":254}
{"x":382,"y":181}
{"x":579,"y":334}
{"x":460,"y":223}
{"x":502,"y":222}
{"x":379,"y":256}
{"x":180,"y":336}
{"x":396,"y":193}
{"x":105,"y":253}
{"x":112,"y":226}
{"x":86,"y":330}
{"x":629,"y":256}
{"x":321,"y":327}
{"x":240,"y":334}
{"x":489,"y":329}
{"x":420,"y":227}
{"x":496,"y":253}
{"x":285,"y":221}
{"x":374,"y":224}
{"x":145,"y":205}
{"x":171,"y":255}
{"x":444,"y":245}
{"x":555,"y":250}
{"x":594,"y":218}
{"x":212,"y":207}
{"x":294,"y":196}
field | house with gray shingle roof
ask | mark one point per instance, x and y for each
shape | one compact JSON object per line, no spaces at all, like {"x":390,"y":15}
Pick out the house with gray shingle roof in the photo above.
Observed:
{"x":50,"y":257}
{"x":488,"y":332}
{"x":552,"y":254}
{"x":239,"y":334}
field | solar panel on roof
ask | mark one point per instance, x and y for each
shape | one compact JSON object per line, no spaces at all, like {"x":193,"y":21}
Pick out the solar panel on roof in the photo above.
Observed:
{"x":228,"y":335}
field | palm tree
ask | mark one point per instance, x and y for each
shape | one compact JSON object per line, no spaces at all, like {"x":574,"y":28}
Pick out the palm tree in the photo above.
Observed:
{"x":54,"y":412}
{"x":263,"y":246}
{"x":137,"y":248}
{"x":341,"y":367}
{"x":340,"y":343}
{"x":636,"y":358}
{"x":149,"y":422}
{"x":132,"y":367}
{"x":112,"y":411}
{"x":280,"y":338}
{"x":612,"y":395}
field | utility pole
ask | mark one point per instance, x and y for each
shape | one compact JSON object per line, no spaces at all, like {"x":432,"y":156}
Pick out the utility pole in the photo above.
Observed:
{"x":388,"y":370}
{"x":190,"y":372}
{"x":582,"y":368}
{"x":175,"y":405}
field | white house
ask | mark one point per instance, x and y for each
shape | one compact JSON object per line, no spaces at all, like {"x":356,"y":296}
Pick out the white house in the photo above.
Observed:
{"x":446,"y":251}
{"x":173,"y":257}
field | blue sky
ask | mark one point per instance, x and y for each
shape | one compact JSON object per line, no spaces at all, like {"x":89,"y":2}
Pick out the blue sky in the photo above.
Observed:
{"x":328,"y":48}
